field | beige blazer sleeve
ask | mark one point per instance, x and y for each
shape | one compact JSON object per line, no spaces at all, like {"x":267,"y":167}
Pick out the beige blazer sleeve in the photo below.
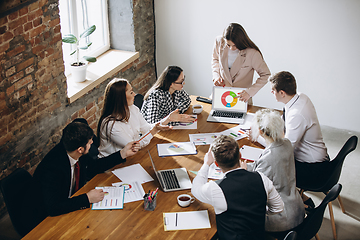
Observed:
{"x":242,"y":72}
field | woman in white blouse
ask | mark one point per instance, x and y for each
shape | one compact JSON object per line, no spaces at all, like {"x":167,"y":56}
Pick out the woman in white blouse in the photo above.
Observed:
{"x":121,"y":121}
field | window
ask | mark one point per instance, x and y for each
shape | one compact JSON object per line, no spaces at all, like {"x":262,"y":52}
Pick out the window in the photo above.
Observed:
{"x":78,"y":15}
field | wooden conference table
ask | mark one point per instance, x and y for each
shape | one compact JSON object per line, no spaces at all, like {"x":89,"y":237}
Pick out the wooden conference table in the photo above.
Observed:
{"x":133,"y":222}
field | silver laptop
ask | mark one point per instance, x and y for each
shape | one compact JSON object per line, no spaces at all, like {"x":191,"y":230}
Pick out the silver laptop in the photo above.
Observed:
{"x":225,"y":107}
{"x":172,"y":179}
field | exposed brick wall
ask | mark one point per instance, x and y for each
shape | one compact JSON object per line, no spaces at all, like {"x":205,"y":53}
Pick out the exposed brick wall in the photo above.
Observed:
{"x":33,"y":101}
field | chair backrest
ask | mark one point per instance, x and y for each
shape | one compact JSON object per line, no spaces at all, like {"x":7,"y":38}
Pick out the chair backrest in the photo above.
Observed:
{"x":291,"y":236}
{"x":19,"y":194}
{"x":138,"y":101}
{"x":313,"y":221}
{"x":337,"y":162}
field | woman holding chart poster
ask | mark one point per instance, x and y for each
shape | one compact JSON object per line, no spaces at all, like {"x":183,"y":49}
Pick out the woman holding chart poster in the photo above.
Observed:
{"x":278,"y":164}
{"x":234,"y":59}
{"x":121,"y":121}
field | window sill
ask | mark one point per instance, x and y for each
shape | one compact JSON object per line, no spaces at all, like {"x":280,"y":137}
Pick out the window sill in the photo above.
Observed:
{"x":106,"y":66}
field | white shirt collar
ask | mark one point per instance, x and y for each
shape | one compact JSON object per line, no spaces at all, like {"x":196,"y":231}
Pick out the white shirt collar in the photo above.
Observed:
{"x":232,"y":170}
{"x":292,"y":101}
{"x":72,"y":161}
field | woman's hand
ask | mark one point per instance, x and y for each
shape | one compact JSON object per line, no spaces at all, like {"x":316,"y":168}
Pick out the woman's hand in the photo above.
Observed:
{"x":175,"y":116}
{"x":130,"y":149}
{"x":243,"y":96}
{"x":219,"y":82}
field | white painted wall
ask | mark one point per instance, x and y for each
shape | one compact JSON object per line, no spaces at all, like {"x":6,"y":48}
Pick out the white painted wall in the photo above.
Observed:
{"x":318,"y":41}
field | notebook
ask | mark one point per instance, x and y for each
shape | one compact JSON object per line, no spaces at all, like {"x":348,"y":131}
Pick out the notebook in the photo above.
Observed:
{"x":225,"y":107}
{"x":172,"y":179}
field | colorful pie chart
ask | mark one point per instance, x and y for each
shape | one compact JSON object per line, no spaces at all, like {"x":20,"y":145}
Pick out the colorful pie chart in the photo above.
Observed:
{"x":226,"y":98}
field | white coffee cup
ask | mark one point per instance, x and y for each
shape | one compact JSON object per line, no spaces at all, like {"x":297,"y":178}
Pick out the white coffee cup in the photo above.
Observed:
{"x":197,"y":108}
{"x":184,"y":200}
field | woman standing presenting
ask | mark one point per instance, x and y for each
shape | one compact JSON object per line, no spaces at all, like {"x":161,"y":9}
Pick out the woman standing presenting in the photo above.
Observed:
{"x":235,"y":57}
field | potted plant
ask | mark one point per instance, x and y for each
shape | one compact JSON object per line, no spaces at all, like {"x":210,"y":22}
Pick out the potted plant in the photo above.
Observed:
{"x":78,"y":68}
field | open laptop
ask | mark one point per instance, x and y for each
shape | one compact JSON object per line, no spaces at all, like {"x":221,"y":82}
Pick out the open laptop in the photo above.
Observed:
{"x":225,"y":107}
{"x":172,"y":179}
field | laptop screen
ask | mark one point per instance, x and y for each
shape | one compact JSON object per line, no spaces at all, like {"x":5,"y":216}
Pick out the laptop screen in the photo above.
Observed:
{"x":223,"y":99}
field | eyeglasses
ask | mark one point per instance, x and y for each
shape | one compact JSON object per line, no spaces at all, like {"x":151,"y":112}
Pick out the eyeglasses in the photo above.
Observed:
{"x":182,"y":82}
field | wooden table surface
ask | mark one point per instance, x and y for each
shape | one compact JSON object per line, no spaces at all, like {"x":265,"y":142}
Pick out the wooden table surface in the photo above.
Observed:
{"x":133,"y":222}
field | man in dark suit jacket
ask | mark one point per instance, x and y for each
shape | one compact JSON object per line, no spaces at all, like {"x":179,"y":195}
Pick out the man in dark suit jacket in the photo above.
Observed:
{"x":55,"y":175}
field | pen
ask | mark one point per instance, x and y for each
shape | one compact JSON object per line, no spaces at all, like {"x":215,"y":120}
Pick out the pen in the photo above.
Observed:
{"x":176,"y":219}
{"x":143,"y":137}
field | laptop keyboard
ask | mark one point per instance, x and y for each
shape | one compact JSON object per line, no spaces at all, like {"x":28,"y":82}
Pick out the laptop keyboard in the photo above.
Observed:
{"x":228,"y":114}
{"x":170,"y":179}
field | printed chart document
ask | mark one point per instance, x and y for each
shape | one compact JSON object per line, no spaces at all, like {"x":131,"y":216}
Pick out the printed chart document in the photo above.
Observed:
{"x":192,"y":125}
{"x":203,"y":138}
{"x":236,"y":133}
{"x":113,"y":199}
{"x":133,"y":191}
{"x":133,"y":173}
{"x":176,"y":149}
{"x":215,"y":172}
{"x":186,"y":220}
{"x":251,"y":154}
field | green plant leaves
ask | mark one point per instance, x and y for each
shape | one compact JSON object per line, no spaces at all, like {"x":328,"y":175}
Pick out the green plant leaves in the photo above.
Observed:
{"x":69,"y":38}
{"x":88,"y":31}
{"x":89,"y":59}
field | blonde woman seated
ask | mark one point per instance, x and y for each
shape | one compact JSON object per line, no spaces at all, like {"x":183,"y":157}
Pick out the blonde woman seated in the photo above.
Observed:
{"x":121,"y":121}
{"x":278,"y":164}
{"x":167,"y":95}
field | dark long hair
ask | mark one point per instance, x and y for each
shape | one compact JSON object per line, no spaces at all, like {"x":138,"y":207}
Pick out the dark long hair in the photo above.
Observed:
{"x":237,"y":34}
{"x":115,"y":107}
{"x":167,"y":77}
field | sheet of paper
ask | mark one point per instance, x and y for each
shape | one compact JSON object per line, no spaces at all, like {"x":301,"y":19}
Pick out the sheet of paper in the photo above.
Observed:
{"x":192,"y":125}
{"x":133,"y":173}
{"x":215,"y":172}
{"x":133,"y":191}
{"x":186,"y":220}
{"x":250,"y":153}
{"x":203,"y":138}
{"x":176,"y":149}
{"x":248,"y":121}
{"x":113,"y":199}
{"x":236,"y":133}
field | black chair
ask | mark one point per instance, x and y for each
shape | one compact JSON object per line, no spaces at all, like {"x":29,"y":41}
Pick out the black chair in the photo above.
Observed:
{"x":138,"y":101}
{"x":292,"y":235}
{"x":334,"y":175}
{"x":312,"y":223}
{"x":20,"y":196}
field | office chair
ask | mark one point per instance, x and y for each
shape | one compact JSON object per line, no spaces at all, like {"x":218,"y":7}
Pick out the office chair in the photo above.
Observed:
{"x":312,"y":223}
{"x":334,"y":175}
{"x":19,"y":195}
{"x":138,"y":101}
{"x":292,"y":235}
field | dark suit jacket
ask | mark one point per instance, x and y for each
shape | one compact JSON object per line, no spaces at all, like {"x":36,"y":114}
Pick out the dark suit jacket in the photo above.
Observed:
{"x":53,"y":176}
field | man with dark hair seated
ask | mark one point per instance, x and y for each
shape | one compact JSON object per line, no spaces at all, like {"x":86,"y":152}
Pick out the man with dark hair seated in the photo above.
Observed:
{"x":241,"y":199}
{"x":68,"y":166}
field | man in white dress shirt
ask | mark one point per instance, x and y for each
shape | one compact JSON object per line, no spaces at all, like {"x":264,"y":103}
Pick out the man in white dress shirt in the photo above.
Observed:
{"x":302,"y":128}
{"x":241,"y":199}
